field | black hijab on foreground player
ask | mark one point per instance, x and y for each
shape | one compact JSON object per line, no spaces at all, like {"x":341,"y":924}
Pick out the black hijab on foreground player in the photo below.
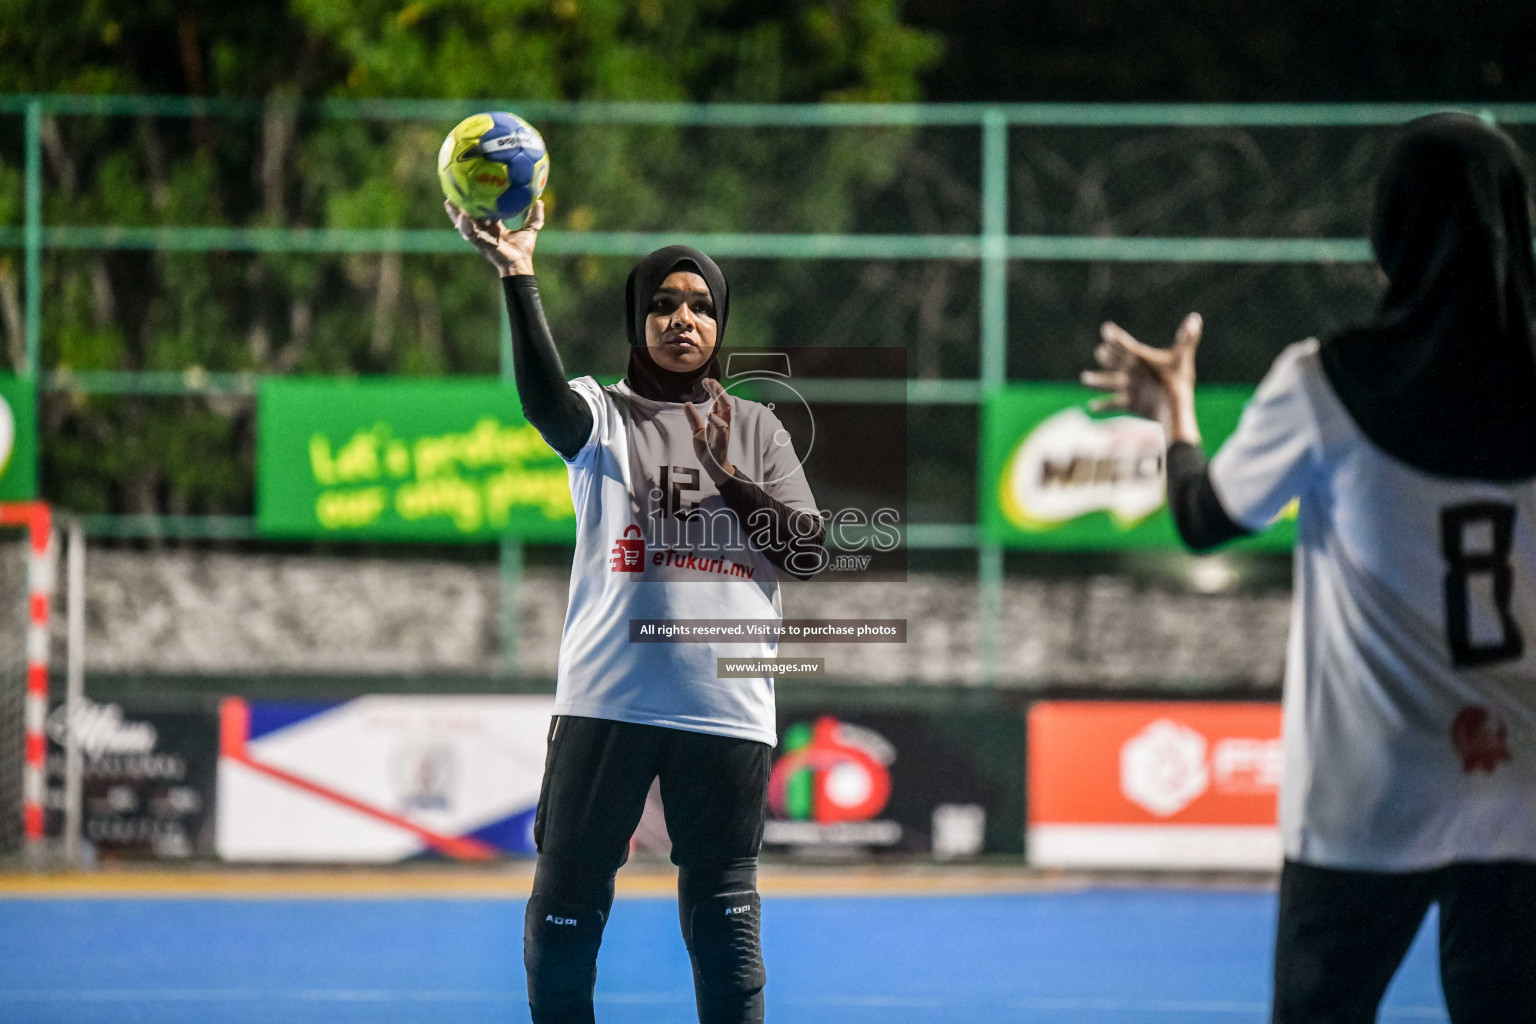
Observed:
{"x":1443,"y":377}
{"x":646,"y":377}
{"x":560,"y":415}
{"x":564,"y":420}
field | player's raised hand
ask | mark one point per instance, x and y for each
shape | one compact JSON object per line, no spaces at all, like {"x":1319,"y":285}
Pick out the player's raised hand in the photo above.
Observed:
{"x":1157,"y":383}
{"x":510,"y":252}
{"x":712,"y":436}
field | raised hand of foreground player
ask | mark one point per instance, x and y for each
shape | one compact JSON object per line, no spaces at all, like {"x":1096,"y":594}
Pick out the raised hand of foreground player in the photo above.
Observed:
{"x":1157,"y":383}
{"x":510,"y":252}
{"x":712,"y":437}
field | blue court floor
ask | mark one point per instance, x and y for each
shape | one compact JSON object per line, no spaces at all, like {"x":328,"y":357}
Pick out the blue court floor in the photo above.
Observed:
{"x":1110,"y":955}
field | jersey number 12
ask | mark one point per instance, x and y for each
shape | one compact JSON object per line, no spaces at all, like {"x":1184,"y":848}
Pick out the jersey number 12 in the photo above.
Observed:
{"x":1462,"y":565}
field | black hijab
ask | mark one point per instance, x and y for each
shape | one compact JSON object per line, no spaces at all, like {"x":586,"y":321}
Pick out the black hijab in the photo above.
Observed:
{"x":645,"y":377}
{"x":1444,"y":377}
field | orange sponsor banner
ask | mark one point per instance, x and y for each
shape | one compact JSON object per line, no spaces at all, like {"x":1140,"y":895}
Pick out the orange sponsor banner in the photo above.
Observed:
{"x":1154,"y":784}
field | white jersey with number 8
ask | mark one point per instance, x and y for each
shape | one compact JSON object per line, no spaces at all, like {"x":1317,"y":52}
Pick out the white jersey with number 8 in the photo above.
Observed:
{"x":1410,"y":690}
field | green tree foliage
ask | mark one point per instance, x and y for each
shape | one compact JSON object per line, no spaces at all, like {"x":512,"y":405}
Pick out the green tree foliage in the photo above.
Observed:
{"x":389,"y":312}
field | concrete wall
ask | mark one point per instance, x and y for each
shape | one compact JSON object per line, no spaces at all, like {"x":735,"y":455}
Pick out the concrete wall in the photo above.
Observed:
{"x":198,"y":612}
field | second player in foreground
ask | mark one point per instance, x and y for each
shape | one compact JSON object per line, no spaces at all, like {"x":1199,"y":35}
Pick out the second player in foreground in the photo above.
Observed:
{"x":688,"y":503}
{"x":1410,"y":688}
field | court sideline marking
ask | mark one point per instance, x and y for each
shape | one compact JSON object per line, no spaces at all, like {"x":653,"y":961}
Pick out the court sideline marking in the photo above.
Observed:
{"x":512,"y":884}
{"x":193,"y":995}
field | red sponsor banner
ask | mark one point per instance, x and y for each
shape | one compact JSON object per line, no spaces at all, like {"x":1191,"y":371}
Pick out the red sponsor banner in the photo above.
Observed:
{"x":1154,"y":784}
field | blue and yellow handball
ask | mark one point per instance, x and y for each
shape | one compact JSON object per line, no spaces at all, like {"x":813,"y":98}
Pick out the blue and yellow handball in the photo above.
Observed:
{"x":493,"y":165}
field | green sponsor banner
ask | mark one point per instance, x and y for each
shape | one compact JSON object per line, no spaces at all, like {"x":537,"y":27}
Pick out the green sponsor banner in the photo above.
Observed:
{"x":18,"y":439}
{"x":1057,"y":476}
{"x":404,"y":459}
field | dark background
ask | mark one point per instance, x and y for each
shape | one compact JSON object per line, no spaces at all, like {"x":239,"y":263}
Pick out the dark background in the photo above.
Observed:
{"x":1220,"y":51}
{"x":989,"y":50}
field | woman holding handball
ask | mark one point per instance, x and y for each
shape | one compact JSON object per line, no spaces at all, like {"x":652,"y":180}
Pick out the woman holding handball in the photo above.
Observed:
{"x":688,"y":503}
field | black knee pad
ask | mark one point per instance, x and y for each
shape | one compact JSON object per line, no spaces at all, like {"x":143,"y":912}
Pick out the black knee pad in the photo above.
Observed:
{"x":727,"y":951}
{"x":560,"y":943}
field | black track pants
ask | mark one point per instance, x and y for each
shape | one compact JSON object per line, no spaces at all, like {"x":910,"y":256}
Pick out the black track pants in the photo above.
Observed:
{"x":1342,"y":935}
{"x":597,"y":774}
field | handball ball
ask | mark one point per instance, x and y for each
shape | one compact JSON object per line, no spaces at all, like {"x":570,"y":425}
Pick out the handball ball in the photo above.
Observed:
{"x":493,"y":165}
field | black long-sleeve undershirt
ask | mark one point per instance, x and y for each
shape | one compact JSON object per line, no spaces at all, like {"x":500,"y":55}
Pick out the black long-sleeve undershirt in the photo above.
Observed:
{"x":559,"y":414}
{"x":564,"y":420}
{"x":1197,"y":513}
{"x":775,"y":528}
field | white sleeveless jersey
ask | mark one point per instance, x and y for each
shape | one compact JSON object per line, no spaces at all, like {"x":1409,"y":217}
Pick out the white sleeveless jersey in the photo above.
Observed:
{"x":654,"y":540}
{"x":1410,"y":688}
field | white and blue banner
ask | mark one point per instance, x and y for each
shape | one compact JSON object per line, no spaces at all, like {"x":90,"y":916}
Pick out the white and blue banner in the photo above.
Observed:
{"x":380,"y":779}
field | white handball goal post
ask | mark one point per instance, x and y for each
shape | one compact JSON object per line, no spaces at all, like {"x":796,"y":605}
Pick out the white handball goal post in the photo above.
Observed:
{"x":25,"y":646}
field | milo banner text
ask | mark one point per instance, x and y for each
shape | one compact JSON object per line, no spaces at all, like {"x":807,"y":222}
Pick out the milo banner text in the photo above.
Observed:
{"x":404,"y":459}
{"x":1057,"y":476}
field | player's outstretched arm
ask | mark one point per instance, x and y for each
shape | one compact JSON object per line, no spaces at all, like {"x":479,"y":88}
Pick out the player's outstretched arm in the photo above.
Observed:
{"x":561,"y":416}
{"x":1159,"y":384}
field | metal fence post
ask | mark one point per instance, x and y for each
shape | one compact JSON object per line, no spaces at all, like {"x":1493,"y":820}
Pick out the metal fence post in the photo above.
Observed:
{"x":74,"y":702}
{"x":33,"y":216}
{"x":511,"y":584}
{"x":994,"y":355}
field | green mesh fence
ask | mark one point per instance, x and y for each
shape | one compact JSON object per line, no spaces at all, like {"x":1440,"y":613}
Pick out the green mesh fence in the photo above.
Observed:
{"x":159,"y":255}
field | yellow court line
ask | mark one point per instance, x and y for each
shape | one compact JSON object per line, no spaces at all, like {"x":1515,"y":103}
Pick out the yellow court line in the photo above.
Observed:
{"x":508,"y":884}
